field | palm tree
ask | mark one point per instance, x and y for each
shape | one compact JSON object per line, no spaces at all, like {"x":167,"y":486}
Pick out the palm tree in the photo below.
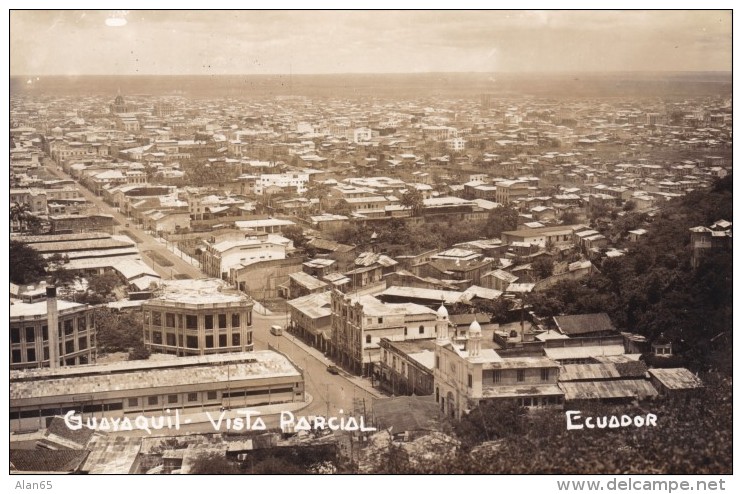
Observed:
{"x":19,"y":212}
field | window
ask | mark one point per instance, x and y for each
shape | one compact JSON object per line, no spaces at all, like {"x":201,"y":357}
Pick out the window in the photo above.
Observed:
{"x":521,"y":375}
{"x":30,"y":335}
{"x":209,"y":341}
{"x":368,"y":338}
{"x":15,"y":356}
{"x":156,"y":318}
{"x":152,"y":400}
{"x":380,"y":320}
{"x":69,"y":346}
{"x":249,"y":338}
{"x":191,"y":322}
{"x":146,"y":317}
{"x":469,"y":380}
{"x":157,"y":338}
{"x":222,"y":321}
{"x":544,"y":374}
{"x":169,"y":319}
{"x":192,"y":397}
{"x":82,"y":343}
{"x":82,"y":323}
{"x":421,"y":329}
{"x":437,"y":362}
{"x":209,"y":321}
{"x":211,"y":395}
{"x":133,"y":402}
{"x":496,"y":376}
{"x":405,"y":331}
{"x":15,"y":335}
{"x":192,"y":341}
{"x":235,"y":320}
{"x":222,"y":340}
{"x":30,"y":355}
{"x":170,"y":339}
{"x":235,"y":339}
{"x":45,"y":332}
{"x":68,"y":329}
{"x":172,"y":398}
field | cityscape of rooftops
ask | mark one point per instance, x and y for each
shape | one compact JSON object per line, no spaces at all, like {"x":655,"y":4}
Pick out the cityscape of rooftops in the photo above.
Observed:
{"x":467,"y":230}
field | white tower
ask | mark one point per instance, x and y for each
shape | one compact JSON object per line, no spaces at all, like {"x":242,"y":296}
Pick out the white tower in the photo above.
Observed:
{"x":475,"y":339}
{"x":441,"y":324}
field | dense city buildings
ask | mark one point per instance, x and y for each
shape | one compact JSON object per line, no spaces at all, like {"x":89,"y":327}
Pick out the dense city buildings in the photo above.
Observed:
{"x":463,"y":250}
{"x":198,"y":317}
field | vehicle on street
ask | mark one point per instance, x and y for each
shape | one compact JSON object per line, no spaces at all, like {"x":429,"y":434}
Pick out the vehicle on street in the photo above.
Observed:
{"x":332,"y":369}
{"x":276,"y":330}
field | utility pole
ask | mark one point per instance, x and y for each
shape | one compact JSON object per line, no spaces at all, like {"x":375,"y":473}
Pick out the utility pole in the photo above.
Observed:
{"x":327,"y":399}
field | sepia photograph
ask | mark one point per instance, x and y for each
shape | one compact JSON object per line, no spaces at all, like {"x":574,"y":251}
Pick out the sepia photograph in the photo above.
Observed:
{"x":362,"y":242}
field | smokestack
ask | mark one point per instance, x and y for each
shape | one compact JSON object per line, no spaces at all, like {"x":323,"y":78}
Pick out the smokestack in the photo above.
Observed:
{"x":52,"y":321}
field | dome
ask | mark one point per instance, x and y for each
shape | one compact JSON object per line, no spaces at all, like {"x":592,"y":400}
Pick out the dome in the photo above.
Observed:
{"x":119,"y":100}
{"x":442,"y":312}
{"x":475,"y":328}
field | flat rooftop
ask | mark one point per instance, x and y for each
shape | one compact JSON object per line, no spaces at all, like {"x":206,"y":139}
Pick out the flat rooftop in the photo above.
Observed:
{"x":201,"y":291}
{"x":145,"y":374}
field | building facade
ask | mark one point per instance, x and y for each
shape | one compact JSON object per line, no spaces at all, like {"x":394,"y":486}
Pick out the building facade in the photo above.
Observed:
{"x":198,"y":317}
{"x":467,"y":373}
{"x":188,"y":384}
{"x":29,"y":334}
{"x":360,"y":322}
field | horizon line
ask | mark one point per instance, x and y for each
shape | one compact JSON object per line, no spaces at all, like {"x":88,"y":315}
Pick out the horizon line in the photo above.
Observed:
{"x":291,"y":74}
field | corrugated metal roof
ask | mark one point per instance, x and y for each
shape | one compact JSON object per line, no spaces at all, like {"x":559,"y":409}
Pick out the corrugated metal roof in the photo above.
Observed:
{"x":676,"y":378}
{"x":594,"y":390}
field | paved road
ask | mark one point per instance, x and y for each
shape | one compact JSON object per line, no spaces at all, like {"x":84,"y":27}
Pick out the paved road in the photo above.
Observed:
{"x":148,"y":242}
{"x":331,"y":393}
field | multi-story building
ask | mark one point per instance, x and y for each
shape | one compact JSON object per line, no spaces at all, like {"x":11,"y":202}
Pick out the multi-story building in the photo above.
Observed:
{"x":219,"y":258}
{"x":29,"y":333}
{"x":198,"y":317}
{"x":511,"y":190}
{"x":468,"y":371}
{"x":155,"y":387}
{"x":360,"y":322}
{"x":708,"y":239}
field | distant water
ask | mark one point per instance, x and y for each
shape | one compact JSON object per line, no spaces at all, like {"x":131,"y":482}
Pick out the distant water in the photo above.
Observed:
{"x":630,"y":84}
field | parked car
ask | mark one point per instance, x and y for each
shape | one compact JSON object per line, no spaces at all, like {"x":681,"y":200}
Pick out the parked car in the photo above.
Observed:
{"x":332,"y":369}
{"x":276,"y":330}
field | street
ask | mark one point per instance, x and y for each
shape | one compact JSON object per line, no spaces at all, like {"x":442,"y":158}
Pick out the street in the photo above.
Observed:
{"x":148,"y":242}
{"x":333,"y":395}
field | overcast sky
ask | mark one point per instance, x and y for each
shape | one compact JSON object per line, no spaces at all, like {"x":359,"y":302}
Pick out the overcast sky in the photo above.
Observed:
{"x":275,"y":42}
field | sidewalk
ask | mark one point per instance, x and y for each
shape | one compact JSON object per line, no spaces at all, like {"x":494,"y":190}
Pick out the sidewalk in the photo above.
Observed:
{"x":357,"y":381}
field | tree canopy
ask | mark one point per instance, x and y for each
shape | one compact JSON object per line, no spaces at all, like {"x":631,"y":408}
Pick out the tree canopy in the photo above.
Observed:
{"x":26,"y":264}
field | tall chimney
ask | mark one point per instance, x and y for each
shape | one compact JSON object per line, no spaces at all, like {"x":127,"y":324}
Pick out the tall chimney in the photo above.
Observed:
{"x":52,"y":321}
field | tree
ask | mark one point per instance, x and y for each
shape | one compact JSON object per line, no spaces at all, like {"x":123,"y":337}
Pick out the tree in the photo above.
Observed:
{"x":501,"y":220}
{"x":543,"y":266}
{"x":120,"y":333}
{"x":295,"y":233}
{"x":413,"y":199}
{"x":26,"y":264}
{"x":629,"y":205}
{"x":20,"y":212}
{"x":342,"y":207}
{"x":316,"y":190}
{"x":103,"y":284}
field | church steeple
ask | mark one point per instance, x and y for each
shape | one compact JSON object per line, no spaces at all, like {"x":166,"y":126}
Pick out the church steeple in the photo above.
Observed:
{"x":441,"y":324}
{"x":474,"y":343}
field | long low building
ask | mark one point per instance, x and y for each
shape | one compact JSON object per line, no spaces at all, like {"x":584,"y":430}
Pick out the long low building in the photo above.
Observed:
{"x":191,"y":384}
